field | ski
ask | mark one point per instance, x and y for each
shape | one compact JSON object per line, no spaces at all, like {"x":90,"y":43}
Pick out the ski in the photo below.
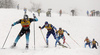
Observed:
{"x":63,"y":46}
{"x":3,"y":48}
{"x":46,"y":46}
{"x":13,"y":47}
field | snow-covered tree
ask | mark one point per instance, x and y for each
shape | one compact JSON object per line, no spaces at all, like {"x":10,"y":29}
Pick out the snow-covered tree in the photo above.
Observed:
{"x":35,"y":7}
{"x":6,"y":3}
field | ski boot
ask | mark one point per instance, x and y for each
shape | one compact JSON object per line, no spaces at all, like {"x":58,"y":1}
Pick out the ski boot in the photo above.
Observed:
{"x":14,"y":45}
{"x":59,"y":43}
{"x":47,"y":45}
{"x":27,"y":46}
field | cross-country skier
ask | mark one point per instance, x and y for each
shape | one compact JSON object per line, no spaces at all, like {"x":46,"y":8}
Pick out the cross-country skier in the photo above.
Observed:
{"x":60,"y":34}
{"x":25,"y":23}
{"x":94,"y":44}
{"x":87,"y":13}
{"x":73,"y":12}
{"x":51,"y":30}
{"x":87,"y":42}
{"x":39,"y":11}
{"x":60,"y":12}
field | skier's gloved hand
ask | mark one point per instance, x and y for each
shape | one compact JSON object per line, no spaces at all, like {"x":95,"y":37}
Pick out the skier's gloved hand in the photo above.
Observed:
{"x":68,"y":34}
{"x":33,"y":14}
{"x":40,"y":27}
{"x":34,"y":17}
{"x":12,"y":25}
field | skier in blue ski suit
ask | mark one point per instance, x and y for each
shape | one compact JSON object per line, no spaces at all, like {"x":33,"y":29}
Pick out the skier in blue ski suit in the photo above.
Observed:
{"x":88,"y":42}
{"x":25,"y":23}
{"x":87,"y":13}
{"x":51,"y":30}
{"x":60,"y":34}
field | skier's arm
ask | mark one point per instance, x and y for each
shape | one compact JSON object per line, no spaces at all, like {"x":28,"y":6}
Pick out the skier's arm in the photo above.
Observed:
{"x":17,"y":22}
{"x":33,"y":19}
{"x":53,"y":27}
{"x":66,"y":32}
{"x":42,"y":27}
{"x":97,"y":43}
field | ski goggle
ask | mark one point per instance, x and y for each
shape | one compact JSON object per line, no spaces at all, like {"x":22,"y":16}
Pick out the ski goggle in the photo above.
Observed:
{"x":46,"y":24}
{"x":25,"y":18}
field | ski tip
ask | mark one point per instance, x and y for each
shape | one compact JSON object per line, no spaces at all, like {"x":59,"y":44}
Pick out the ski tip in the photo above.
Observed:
{"x":3,"y":48}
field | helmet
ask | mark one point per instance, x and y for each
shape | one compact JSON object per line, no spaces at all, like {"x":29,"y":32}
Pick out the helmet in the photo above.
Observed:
{"x":26,"y":17}
{"x":93,"y":39}
{"x":46,"y":23}
{"x":86,"y":37}
{"x":60,"y":28}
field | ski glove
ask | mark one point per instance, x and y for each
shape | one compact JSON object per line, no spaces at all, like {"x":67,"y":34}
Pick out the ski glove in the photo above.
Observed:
{"x":33,"y":14}
{"x":68,"y":34}
{"x":40,"y":27}
{"x":12,"y":25}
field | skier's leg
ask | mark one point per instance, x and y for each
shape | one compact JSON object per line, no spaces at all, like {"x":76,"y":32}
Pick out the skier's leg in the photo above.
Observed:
{"x":47,"y":36}
{"x":85,"y":45}
{"x":89,"y":45}
{"x":63,"y":39}
{"x":95,"y":46}
{"x":57,"y":40}
{"x":92,"y":47}
{"x":27,"y":39}
{"x":62,"y":36}
{"x":17,"y":38}
{"x":53,"y":33}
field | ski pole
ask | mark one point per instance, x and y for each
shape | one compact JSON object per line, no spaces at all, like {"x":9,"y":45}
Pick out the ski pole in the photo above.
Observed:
{"x":74,"y":40}
{"x":43,"y":35}
{"x":6,"y":38}
{"x":34,"y":31}
{"x":34,"y":35}
{"x":68,"y":45}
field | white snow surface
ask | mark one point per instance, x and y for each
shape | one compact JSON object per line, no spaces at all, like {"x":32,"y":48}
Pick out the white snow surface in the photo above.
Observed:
{"x":78,"y":26}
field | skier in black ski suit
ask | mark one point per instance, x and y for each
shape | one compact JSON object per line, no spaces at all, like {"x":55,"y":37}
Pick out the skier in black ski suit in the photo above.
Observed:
{"x":94,"y":44}
{"x":25,"y":23}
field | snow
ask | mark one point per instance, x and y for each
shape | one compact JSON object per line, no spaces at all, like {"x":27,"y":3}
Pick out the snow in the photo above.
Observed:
{"x":78,"y":26}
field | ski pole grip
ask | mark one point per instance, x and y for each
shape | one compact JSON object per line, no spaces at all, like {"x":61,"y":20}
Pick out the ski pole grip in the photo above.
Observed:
{"x":39,"y":26}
